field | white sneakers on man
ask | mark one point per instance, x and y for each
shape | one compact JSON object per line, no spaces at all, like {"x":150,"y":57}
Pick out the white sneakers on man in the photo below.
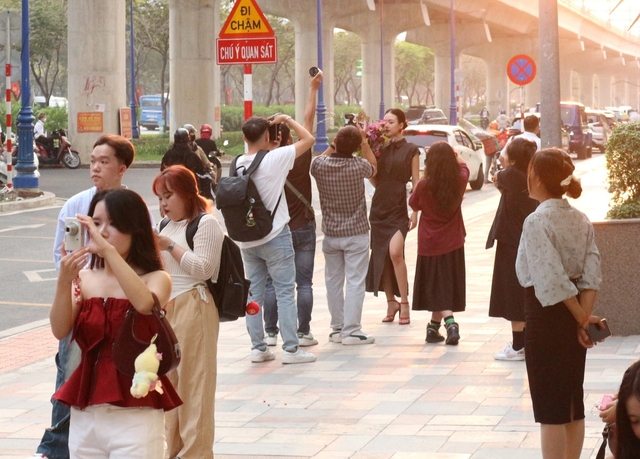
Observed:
{"x":258,"y":356}
{"x":300,"y":356}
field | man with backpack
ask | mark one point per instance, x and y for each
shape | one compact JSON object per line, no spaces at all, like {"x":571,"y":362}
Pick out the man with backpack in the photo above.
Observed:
{"x":271,"y":254}
{"x":302,"y":224}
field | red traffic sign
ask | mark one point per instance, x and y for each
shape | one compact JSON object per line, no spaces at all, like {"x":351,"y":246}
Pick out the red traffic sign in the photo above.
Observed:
{"x":521,"y":69}
{"x":246,"y":51}
{"x":246,"y":21}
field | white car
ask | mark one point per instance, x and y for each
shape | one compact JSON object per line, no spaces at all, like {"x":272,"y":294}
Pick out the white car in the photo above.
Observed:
{"x":466,"y":145}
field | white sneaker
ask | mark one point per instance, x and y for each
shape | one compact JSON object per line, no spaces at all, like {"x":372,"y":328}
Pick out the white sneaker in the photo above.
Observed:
{"x":258,"y":356}
{"x":271,"y":339}
{"x":509,"y":354}
{"x":358,"y":338}
{"x":306,"y":340}
{"x":38,"y":456}
{"x":300,"y":356}
{"x":335,"y":336}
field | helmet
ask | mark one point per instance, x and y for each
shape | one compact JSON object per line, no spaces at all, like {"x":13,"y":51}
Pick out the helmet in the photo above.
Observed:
{"x":205,"y":131}
{"x":181,"y":136}
{"x":192,"y":131}
{"x":493,"y":125}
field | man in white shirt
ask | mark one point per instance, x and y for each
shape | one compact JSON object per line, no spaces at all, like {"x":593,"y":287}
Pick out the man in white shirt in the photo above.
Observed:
{"x":111,"y":157}
{"x":531,"y":133}
{"x":273,"y":254}
{"x":38,"y":129}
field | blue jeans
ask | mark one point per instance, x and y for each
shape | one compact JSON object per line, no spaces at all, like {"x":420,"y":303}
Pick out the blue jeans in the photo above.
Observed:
{"x":304,"y":248}
{"x":276,"y":259}
{"x":55,"y":441}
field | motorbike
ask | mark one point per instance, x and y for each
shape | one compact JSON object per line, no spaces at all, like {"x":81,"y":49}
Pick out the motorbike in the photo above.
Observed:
{"x":53,"y":150}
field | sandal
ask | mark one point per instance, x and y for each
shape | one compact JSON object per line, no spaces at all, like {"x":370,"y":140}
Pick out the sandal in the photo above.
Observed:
{"x":391,"y":313}
{"x":404,"y":320}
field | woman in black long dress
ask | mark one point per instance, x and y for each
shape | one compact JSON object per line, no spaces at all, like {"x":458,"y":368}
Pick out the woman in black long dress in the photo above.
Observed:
{"x":507,"y":295}
{"x":397,"y":164}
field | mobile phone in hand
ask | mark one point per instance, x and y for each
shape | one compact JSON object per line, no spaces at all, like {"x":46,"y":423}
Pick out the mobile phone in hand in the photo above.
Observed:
{"x":73,"y":234}
{"x":606,"y":400}
{"x":598,"y":334}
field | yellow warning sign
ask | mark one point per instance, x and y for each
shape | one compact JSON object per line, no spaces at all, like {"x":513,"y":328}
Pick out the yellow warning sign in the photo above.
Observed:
{"x":246,"y":21}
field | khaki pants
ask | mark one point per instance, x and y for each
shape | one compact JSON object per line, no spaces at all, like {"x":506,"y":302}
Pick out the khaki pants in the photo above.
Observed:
{"x":189,"y":429}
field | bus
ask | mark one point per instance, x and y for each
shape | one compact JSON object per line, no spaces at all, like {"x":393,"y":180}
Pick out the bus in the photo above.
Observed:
{"x":151,"y":111}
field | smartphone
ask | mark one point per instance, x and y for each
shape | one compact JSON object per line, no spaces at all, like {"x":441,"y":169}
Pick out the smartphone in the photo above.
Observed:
{"x":313,"y":71}
{"x":73,"y":234}
{"x":606,"y":399}
{"x":597,"y":334}
{"x":274,"y":132}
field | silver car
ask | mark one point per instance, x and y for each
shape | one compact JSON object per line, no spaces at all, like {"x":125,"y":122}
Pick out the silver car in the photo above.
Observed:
{"x":599,"y":127}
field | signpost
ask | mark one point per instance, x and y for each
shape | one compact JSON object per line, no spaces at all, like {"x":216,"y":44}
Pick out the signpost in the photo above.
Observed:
{"x":521,"y":70}
{"x":246,"y":38}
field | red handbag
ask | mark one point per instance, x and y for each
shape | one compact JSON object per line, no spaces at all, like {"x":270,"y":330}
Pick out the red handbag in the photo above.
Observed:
{"x":127,"y":346}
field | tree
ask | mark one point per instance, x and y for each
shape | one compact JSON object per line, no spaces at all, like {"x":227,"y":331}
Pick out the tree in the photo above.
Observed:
{"x":346,"y":47}
{"x":414,"y":70}
{"x":475,"y":79}
{"x":151,"y":28}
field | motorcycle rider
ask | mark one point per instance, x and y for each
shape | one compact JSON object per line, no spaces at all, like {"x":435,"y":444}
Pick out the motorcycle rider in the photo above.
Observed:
{"x":210,"y":148}
{"x":484,"y":118}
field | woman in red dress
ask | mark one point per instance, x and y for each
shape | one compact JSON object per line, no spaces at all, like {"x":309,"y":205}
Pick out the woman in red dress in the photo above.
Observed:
{"x":125,"y":270}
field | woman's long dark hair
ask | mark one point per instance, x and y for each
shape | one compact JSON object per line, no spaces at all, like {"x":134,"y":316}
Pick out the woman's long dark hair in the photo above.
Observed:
{"x":442,"y":172}
{"x":628,"y":443}
{"x":128,"y":213}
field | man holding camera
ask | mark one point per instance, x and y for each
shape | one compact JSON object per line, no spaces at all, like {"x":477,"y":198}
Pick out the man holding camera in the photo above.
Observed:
{"x":111,"y":157}
{"x":273,"y":255}
{"x":302,"y":224}
{"x":339,"y":176}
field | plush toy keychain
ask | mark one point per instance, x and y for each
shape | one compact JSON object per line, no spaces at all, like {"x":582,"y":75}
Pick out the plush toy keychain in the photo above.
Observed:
{"x":252,"y":308}
{"x":146,"y":377}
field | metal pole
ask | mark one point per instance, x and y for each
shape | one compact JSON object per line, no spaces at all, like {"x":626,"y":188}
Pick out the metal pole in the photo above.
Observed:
{"x":550,"y":120}
{"x":26,"y":179}
{"x":321,"y":128}
{"x":381,"y":61}
{"x":132,"y":104}
{"x":452,"y":107}
{"x":7,"y":154}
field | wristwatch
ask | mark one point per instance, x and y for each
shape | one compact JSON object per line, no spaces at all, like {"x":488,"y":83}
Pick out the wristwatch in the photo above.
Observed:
{"x":171,"y":246}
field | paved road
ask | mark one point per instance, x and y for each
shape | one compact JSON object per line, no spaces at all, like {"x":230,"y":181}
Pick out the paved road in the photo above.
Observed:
{"x":28,"y":276}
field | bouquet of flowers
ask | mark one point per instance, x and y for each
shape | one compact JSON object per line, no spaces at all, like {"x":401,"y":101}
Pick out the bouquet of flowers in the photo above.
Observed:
{"x":376,"y":136}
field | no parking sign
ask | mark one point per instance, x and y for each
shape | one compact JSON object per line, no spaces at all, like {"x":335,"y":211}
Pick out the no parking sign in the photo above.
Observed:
{"x":521,"y":69}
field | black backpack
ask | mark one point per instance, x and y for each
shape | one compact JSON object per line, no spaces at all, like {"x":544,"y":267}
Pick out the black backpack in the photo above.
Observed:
{"x":231,"y":291}
{"x":237,"y":197}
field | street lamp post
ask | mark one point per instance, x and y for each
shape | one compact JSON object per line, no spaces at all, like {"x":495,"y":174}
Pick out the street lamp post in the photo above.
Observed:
{"x":26,"y":178}
{"x":132,"y":104}
{"x":321,"y":129}
{"x":381,"y":61}
{"x":453,"y":107}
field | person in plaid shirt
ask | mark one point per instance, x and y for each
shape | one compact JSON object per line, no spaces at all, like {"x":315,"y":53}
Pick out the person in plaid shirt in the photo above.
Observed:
{"x":339,"y":176}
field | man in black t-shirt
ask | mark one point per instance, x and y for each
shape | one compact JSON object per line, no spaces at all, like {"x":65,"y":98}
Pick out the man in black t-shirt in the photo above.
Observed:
{"x":303,"y":231}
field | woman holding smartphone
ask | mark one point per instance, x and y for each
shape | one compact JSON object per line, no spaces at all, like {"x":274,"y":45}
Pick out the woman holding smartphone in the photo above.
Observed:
{"x":398,"y":163}
{"x":125,"y":271}
{"x":559,"y":265}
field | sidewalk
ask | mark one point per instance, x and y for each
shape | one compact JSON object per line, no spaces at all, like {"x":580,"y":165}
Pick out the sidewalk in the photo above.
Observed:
{"x":398,"y":398}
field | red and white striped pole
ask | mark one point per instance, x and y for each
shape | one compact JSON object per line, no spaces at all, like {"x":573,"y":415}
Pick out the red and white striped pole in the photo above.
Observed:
{"x":8,"y":146}
{"x":248,"y":92}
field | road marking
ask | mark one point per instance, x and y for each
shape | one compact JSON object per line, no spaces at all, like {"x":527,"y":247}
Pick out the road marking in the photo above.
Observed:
{"x":24,"y":211}
{"x":25,"y":261}
{"x":15,"y":303}
{"x":34,"y":276}
{"x":15,"y":228}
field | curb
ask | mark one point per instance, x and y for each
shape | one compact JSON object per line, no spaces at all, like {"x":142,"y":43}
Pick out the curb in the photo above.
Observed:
{"x":225,"y":160}
{"x":47,"y":199}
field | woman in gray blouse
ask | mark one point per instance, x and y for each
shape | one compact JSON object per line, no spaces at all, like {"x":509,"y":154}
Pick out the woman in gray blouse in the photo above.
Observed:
{"x":559,"y":265}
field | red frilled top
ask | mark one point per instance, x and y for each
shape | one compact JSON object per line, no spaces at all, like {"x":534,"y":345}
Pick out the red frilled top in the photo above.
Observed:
{"x":96,"y":380}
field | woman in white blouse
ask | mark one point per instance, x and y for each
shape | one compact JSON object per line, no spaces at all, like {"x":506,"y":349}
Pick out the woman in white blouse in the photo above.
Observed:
{"x":559,"y":264}
{"x":191,"y":311}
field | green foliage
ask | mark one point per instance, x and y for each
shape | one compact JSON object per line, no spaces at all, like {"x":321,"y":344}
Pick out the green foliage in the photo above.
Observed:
{"x":232,"y":117}
{"x":57,"y":118}
{"x":623,"y":163}
{"x":414,"y":65}
{"x":346,"y":46}
{"x":151,"y":147}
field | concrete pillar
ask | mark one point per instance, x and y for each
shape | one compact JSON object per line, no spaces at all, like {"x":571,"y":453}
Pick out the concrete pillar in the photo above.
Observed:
{"x":306,"y":56}
{"x":442,"y":92}
{"x":566,"y":81}
{"x":371,"y":70}
{"x":96,"y":63}
{"x":605,"y":98}
{"x":586,"y":89}
{"x":192,"y":60}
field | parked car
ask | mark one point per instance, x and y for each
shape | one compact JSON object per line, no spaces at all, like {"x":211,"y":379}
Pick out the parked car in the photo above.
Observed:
{"x":599,"y":127}
{"x":467,"y":146}
{"x":431,"y":116}
{"x":574,"y":120}
{"x":414,"y":112}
